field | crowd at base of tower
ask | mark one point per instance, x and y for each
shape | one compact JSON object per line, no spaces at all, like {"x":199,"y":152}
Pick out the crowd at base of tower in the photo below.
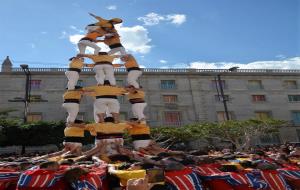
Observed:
{"x":270,"y":168}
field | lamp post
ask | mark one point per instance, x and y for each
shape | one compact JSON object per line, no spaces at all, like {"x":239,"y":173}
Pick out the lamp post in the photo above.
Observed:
{"x":27,"y":90}
{"x":223,"y":97}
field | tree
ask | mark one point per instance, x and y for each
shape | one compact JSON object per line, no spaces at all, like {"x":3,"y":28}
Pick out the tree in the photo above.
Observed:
{"x":239,"y":133}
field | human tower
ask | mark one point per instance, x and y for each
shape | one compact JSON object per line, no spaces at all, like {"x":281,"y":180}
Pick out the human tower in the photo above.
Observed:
{"x":107,"y":128}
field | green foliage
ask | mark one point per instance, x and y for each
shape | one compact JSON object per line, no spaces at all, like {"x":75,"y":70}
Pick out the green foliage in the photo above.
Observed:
{"x":237,"y":132}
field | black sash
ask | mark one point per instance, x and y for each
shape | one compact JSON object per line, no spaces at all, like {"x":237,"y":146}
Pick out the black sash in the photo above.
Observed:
{"x":73,"y":139}
{"x":140,"y":137}
{"x":72,"y":101}
{"x":115,"y":46}
{"x":106,"y":96}
{"x":74,"y":69}
{"x":133,"y":68}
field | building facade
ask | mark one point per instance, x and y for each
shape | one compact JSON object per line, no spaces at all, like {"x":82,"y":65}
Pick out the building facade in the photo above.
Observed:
{"x":175,"y":97}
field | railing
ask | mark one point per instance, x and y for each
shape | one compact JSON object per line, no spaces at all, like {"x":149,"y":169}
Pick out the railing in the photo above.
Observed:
{"x":158,"y":70}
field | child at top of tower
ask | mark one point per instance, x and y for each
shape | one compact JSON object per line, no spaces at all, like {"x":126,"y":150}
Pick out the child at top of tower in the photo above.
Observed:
{"x":106,"y":23}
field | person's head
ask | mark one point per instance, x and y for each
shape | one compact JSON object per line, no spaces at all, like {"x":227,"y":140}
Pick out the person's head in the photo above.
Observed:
{"x":159,"y":187}
{"x":119,"y":158}
{"x":141,"y":166}
{"x":76,"y":58}
{"x":51,"y":165}
{"x":130,"y":89}
{"x":73,"y":174}
{"x":173,"y":166}
{"x":66,"y":162}
{"x":25,"y":165}
{"x":125,"y":57}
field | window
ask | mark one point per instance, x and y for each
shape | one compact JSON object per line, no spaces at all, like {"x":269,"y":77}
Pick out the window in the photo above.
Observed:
{"x":258,"y":98}
{"x":170,"y":98}
{"x":32,"y":117}
{"x":270,"y":139}
{"x":35,"y":98}
{"x":255,"y":84}
{"x":119,"y":82}
{"x":172,"y":118}
{"x":218,"y":98}
{"x":221,"y":116}
{"x":80,"y":116}
{"x":80,"y":83}
{"x":262,"y":114}
{"x":290,"y":84}
{"x":296,"y":117}
{"x":121,"y":99}
{"x":215,"y":84}
{"x":294,"y":98}
{"x":123,"y":116}
{"x":35,"y":84}
{"x":167,"y":84}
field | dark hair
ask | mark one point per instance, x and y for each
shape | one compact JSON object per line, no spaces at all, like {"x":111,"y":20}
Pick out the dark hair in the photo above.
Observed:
{"x":119,"y":157}
{"x":109,"y":119}
{"x":68,"y":162}
{"x":102,"y":53}
{"x":71,"y":58}
{"x":159,"y":187}
{"x":73,"y":174}
{"x":45,"y":165}
{"x":163,"y":154}
{"x":124,"y":166}
{"x":228,"y":168}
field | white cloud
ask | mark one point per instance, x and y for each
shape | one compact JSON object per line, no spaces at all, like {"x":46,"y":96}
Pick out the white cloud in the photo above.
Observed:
{"x":290,"y":63}
{"x":163,"y":61}
{"x":63,"y":35}
{"x":76,"y":29}
{"x":112,"y":7}
{"x":153,"y":19}
{"x":177,"y":19}
{"x":134,"y":39}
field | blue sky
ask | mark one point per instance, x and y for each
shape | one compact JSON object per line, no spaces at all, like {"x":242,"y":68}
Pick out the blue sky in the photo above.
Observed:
{"x":160,"y":33}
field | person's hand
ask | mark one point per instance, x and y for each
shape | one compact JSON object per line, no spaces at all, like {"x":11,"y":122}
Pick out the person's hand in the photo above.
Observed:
{"x":138,"y":184}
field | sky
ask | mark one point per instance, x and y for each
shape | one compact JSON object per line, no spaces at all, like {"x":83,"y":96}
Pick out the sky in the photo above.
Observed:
{"x":204,"y":34}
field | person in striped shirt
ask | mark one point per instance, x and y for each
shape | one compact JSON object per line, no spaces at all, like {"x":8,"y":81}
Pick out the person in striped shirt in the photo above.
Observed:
{"x":109,"y":132}
{"x":75,"y":66}
{"x":133,"y":69}
{"x":71,"y":103}
{"x":90,"y":40}
{"x":137,"y":98}
{"x":106,"y":99}
{"x":140,"y":134}
{"x":103,"y":67}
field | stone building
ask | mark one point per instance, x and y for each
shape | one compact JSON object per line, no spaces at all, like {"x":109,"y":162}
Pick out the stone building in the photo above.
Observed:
{"x":175,"y":97}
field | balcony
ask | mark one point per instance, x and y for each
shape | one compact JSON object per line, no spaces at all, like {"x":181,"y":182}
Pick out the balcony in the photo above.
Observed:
{"x":179,"y":70}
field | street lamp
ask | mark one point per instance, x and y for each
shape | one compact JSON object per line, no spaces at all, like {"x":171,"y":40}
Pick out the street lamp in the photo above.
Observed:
{"x":223,"y":97}
{"x":27,"y":90}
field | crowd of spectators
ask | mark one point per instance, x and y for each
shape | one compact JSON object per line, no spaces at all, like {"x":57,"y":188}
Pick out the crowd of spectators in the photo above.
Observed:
{"x":272,"y":168}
